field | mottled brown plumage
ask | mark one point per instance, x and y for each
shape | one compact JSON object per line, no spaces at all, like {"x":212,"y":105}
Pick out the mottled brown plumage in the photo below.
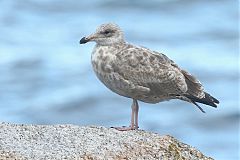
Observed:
{"x":141,"y":74}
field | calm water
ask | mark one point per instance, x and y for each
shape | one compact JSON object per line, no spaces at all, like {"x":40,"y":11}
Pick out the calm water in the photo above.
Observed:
{"x":46,"y":76}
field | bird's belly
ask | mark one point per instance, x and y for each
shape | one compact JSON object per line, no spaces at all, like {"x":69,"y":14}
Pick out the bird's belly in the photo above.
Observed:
{"x":119,"y":86}
{"x":114,"y":83}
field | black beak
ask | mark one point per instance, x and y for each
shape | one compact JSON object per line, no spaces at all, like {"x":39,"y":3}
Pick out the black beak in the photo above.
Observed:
{"x":83,"y":40}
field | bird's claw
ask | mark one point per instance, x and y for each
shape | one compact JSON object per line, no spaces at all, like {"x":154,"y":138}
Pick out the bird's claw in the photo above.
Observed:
{"x":125,"y":128}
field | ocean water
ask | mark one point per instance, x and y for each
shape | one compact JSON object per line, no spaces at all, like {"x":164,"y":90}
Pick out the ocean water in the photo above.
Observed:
{"x":46,"y":76}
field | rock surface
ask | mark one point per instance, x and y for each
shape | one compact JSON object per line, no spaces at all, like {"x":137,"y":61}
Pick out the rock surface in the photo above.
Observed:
{"x":89,"y":143}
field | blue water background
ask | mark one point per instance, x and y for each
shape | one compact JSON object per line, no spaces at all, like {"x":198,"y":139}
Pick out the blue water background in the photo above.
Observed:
{"x":46,"y":76}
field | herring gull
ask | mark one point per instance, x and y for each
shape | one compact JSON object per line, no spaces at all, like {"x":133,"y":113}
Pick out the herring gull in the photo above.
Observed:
{"x":140,"y":73}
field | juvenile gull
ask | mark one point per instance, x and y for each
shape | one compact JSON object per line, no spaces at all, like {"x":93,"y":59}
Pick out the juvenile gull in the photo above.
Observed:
{"x":141,"y":74}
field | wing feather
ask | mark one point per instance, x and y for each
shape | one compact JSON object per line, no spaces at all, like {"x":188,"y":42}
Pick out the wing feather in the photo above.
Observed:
{"x":150,"y":69}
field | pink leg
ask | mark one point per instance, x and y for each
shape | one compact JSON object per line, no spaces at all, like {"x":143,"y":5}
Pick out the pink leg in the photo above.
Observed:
{"x":136,"y":114}
{"x":134,"y":118}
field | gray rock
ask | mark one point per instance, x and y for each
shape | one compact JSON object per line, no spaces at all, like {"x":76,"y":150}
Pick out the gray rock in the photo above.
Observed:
{"x":89,"y":143}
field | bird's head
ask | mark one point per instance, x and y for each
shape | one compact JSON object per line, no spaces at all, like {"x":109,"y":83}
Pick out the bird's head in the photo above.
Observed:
{"x":106,"y":34}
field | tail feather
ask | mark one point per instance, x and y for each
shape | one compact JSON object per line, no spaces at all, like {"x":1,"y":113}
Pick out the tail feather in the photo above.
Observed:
{"x":208,"y":100}
{"x":200,"y":108}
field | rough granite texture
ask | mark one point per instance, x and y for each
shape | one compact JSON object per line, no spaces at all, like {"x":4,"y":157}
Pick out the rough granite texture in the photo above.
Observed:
{"x":38,"y":142}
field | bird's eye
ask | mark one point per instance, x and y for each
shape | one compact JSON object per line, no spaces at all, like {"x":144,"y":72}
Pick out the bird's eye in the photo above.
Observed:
{"x":107,"y":32}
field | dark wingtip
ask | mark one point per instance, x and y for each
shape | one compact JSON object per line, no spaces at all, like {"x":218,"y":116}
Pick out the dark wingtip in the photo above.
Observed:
{"x":214,"y":100}
{"x":83,"y":40}
{"x":208,"y":100}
